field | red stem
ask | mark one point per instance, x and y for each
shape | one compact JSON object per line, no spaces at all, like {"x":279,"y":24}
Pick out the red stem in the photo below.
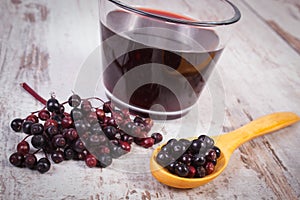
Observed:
{"x":95,"y":98}
{"x":26,"y":137}
{"x":26,"y":87}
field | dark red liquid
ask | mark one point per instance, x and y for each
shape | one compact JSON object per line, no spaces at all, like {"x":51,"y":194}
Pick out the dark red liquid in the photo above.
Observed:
{"x":166,"y":64}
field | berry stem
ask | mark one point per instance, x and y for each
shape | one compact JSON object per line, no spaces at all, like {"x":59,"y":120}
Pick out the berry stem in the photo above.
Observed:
{"x":46,"y":155}
{"x":26,"y":137}
{"x":38,"y":110}
{"x":36,"y":151}
{"x":26,"y":87}
{"x":96,"y":98}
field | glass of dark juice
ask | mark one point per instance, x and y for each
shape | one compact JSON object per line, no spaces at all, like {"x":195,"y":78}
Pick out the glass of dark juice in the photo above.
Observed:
{"x":157,"y":55}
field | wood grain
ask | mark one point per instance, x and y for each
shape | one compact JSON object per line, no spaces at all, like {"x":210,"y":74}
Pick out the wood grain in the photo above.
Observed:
{"x":289,"y":38}
{"x":45,"y":44}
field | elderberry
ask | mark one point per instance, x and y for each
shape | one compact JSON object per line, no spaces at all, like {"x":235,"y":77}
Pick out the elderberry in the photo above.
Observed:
{"x":94,"y":135}
{"x":16,"y":124}
{"x":43,"y":165}
{"x":190,"y":159}
{"x":74,"y":100}
{"x":53,"y":105}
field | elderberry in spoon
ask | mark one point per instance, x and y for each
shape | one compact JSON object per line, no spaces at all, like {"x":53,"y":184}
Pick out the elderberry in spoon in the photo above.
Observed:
{"x":227,"y":143}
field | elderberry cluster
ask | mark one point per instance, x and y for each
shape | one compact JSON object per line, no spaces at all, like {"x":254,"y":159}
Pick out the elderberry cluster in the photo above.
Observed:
{"x":190,"y":159}
{"x":94,"y":135}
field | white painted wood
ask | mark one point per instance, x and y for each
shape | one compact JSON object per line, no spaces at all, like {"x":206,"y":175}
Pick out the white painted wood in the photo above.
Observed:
{"x":45,"y":43}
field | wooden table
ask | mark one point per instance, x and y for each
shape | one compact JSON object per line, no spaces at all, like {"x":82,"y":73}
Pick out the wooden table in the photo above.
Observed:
{"x":46,"y":43}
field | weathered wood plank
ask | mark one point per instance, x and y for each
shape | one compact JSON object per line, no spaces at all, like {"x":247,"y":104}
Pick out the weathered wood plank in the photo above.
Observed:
{"x":282,"y":16}
{"x":45,"y":44}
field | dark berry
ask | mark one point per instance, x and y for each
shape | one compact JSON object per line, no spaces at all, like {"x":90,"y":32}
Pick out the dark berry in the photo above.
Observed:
{"x":52,"y":130}
{"x":69,"y":153}
{"x":126,"y":138}
{"x":44,"y":115}
{"x":214,"y":162}
{"x":79,"y":156}
{"x":186,"y":158}
{"x":50,"y":122}
{"x":23,"y":147}
{"x":182,"y":170}
{"x":53,"y":105}
{"x":70,"y":134}
{"x":38,"y":141}
{"x":211,"y":155}
{"x":30,"y":161}
{"x":26,"y":127}
{"x":16,"y":159}
{"x":171,"y":167}
{"x":110,"y":132}
{"x":218,"y":151}
{"x":16,"y":124}
{"x":58,"y":119}
{"x":74,"y":100}
{"x":138,"y":120}
{"x":157,"y":137}
{"x":209,"y":142}
{"x":61,"y":110}
{"x":37,"y":129}
{"x":57,"y":156}
{"x":59,"y":141}
{"x":78,"y":145}
{"x":48,"y":147}
{"x":196,"y":158}
{"x":198,"y":161}
{"x":197,"y":146}
{"x":43,"y":165}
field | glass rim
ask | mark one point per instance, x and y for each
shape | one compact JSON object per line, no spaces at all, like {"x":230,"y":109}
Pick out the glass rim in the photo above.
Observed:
{"x":236,"y":17}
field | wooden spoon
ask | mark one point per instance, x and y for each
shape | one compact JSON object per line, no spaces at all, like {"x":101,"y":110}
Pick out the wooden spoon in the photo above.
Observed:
{"x":227,"y":143}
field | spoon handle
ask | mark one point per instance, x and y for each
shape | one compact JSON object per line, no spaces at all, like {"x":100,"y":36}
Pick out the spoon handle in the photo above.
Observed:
{"x":258,"y":127}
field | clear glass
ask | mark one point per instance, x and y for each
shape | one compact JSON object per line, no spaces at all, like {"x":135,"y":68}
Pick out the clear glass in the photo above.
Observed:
{"x":157,"y":55}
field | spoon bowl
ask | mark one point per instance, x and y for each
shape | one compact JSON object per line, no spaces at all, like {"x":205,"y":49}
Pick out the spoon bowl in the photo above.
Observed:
{"x":227,"y":143}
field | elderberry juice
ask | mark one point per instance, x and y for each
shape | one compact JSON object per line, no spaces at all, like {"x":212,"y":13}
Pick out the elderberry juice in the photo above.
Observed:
{"x":149,"y":64}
